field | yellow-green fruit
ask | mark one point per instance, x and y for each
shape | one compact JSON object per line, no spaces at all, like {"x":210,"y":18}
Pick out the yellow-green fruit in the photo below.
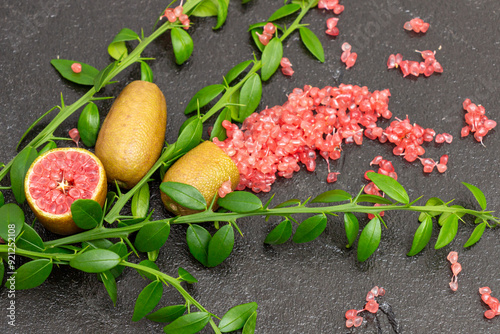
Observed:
{"x":132,"y":135}
{"x":205,"y":167}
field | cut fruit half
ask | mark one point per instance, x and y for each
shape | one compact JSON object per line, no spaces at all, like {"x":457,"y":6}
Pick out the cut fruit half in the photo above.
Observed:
{"x":59,"y":177}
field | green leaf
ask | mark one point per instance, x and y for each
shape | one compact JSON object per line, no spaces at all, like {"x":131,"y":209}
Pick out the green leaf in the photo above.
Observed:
{"x":167,"y":314}
{"x":422,"y":236}
{"x":236,"y":317}
{"x":373,"y":199}
{"x":184,"y":194}
{"x":250,"y":324}
{"x":476,"y":235}
{"x":30,"y":240}
{"x":369,"y":239}
{"x":86,"y":213}
{"x":2,"y":199}
{"x":198,"y":239}
{"x":271,"y":58}
{"x":390,"y":187}
{"x":149,"y":264}
{"x":31,"y":274}
{"x":97,"y":244}
{"x":218,"y":130}
{"x":188,"y":324}
{"x":152,"y":236}
{"x":101,"y":79}
{"x":182,"y":44}
{"x":284,"y":11}
{"x":95,"y":261}
{"x":312,"y":43}
{"x":240,"y":201}
{"x":186,"y":276}
{"x":110,"y":199}
{"x":85,"y":77}
{"x":20,"y":166}
{"x":256,"y":40}
{"x":140,"y":202}
{"x":204,"y":96}
{"x":117,"y":50}
{"x":10,"y":214}
{"x":234,"y":101}
{"x":147,"y":300}
{"x":236,"y":71}
{"x":351,"y":226}
{"x":331,"y":196}
{"x":125,"y":35}
{"x":146,"y":72}
{"x":445,"y":216}
{"x":88,"y":124}
{"x":108,"y":279}
{"x":310,"y":229}
{"x":478,"y":194}
{"x":220,"y":246}
{"x":121,"y":249}
{"x":433,"y":201}
{"x":447,"y":233}
{"x":280,"y":234}
{"x":50,"y":146}
{"x":190,"y":136}
{"x":250,"y":95}
{"x":290,"y":202}
{"x":221,"y":13}
{"x":205,"y":9}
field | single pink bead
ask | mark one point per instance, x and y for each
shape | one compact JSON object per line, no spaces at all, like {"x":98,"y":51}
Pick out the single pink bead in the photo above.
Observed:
{"x":381,"y":292}
{"x":351,"y":314}
{"x":76,"y":67}
{"x":456,"y":268}
{"x":453,"y":285}
{"x":358,"y":321}
{"x":370,"y":296}
{"x":489,"y":314}
{"x":349,"y":323}
{"x":453,"y":257}
{"x":484,"y":290}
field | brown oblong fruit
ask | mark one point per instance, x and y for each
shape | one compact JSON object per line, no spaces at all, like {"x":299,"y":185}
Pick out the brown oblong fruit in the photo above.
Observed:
{"x":132,"y":135}
{"x":205,"y":167}
{"x":59,"y":177}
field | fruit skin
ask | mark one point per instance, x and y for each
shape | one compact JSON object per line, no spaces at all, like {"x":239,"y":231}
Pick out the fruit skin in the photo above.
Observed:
{"x":63,"y":224}
{"x":205,"y":167}
{"x":132,"y":135}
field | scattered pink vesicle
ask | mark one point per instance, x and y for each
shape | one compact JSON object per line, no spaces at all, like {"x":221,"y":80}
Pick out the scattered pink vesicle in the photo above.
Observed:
{"x":477,"y":122}
{"x":372,"y":306}
{"x":74,"y":134}
{"x":286,"y":67}
{"x":76,"y":67}
{"x":414,"y":68}
{"x":417,"y":25}
{"x":492,"y":302}
{"x":456,"y":268}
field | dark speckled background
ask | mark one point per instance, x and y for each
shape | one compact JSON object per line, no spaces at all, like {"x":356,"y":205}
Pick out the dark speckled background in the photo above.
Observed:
{"x":299,"y":288}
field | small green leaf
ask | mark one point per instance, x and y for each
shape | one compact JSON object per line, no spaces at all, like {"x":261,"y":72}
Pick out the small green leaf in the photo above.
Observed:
{"x":218,"y":130}
{"x":351,"y":226}
{"x":236,"y":71}
{"x":125,"y":35}
{"x":50,"y":146}
{"x":310,"y":229}
{"x":11,"y":219}
{"x":140,"y":202}
{"x":331,"y":196}
{"x":220,"y":246}
{"x":109,"y":282}
{"x":117,"y":50}
{"x":290,"y":202}
{"x":204,"y":96}
{"x":284,"y":11}
{"x":447,"y":233}
{"x":445,"y":216}
{"x":167,"y":314}
{"x":146,"y":72}
{"x":152,"y":236}
{"x":236,"y":317}
{"x":240,"y":201}
{"x":280,"y":234}
{"x":30,"y":240}
{"x":221,"y":13}
{"x":190,"y":136}
{"x":95,"y":261}
{"x":390,"y":187}
{"x":188,"y":324}
{"x":271,"y":58}
{"x":476,"y":235}
{"x":101,"y":79}
{"x":250,"y":96}
{"x":149,"y":264}
{"x":88,"y":124}
{"x":31,"y":274}
{"x":198,"y":239}
{"x":86,"y":213}
{"x":20,"y":166}
{"x":182,"y":43}
{"x":110,"y":199}
{"x":147,"y":300}
{"x":422,"y":236}
{"x":186,"y":276}
{"x":205,"y":9}
{"x":250,"y":324}
{"x":433,"y":201}
{"x":97,"y":244}
{"x":184,"y":194}
{"x":85,"y":77}
{"x":369,"y":239}
{"x":373,"y":199}
{"x":478,"y":194}
{"x":121,"y":249}
{"x":312,"y":43}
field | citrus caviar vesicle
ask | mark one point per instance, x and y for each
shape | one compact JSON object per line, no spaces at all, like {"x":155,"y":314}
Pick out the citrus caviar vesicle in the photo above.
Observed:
{"x":59,"y":177}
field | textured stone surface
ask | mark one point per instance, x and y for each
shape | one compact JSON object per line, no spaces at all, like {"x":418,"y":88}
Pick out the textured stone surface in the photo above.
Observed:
{"x":299,"y":288}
